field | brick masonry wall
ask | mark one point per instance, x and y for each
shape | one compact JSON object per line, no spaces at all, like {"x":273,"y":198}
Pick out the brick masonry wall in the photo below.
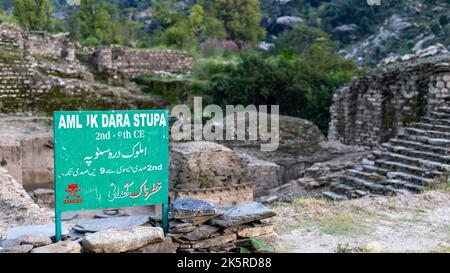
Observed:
{"x":131,"y":63}
{"x":221,"y":196}
{"x":27,"y":85}
{"x":372,"y":108}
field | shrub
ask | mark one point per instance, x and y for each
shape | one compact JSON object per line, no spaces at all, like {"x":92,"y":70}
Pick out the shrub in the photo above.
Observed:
{"x":303,"y":86}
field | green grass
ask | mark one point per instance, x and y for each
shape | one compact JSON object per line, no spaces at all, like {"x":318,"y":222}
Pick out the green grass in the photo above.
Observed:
{"x":342,"y":223}
{"x":442,"y":249}
{"x":308,"y":202}
{"x":442,"y":184}
{"x":345,"y":248}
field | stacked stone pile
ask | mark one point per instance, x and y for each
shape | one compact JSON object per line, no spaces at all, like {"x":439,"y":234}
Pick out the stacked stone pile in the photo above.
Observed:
{"x":195,"y":226}
{"x":198,"y":226}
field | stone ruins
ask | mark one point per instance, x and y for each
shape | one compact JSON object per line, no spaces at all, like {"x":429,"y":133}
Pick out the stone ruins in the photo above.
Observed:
{"x":125,"y":64}
{"x":389,"y":134}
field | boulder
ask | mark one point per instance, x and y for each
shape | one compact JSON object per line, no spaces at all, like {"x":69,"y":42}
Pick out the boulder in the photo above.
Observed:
{"x":96,"y":225}
{"x":434,"y":50}
{"x":289,"y":21}
{"x":60,"y":247}
{"x":122,"y":240}
{"x":17,"y":249}
{"x":166,"y":246}
{"x":283,"y":23}
{"x":34,"y":240}
{"x":346,"y":33}
{"x":242,"y":214}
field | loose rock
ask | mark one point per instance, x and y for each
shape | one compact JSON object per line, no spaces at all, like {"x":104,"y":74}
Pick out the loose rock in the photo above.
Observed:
{"x":60,"y":247}
{"x":110,"y":223}
{"x":122,"y":240}
{"x":187,"y":207}
{"x":17,"y":249}
{"x":242,"y":214}
{"x":34,"y":240}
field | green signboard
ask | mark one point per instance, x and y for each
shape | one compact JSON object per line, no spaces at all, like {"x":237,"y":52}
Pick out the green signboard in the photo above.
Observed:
{"x":110,"y":159}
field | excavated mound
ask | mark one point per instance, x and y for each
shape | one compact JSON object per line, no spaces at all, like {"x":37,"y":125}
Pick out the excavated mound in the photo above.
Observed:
{"x":16,"y":206}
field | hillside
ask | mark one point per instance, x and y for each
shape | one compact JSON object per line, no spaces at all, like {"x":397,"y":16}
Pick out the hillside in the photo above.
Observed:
{"x":364,"y":33}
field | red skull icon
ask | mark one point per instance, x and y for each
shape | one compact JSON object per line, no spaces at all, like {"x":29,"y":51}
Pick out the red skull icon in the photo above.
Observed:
{"x":73,"y":189}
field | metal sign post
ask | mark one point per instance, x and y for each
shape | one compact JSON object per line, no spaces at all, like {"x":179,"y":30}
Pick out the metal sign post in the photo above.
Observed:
{"x":110,"y":159}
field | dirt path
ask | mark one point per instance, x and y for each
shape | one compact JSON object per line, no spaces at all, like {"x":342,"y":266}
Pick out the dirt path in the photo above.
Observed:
{"x":415,"y":223}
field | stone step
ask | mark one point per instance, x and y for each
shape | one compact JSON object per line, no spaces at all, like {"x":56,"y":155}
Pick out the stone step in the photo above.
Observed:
{"x":444,"y":109}
{"x":413,"y":161}
{"x":342,"y":189}
{"x":334,"y":196}
{"x":374,"y":169}
{"x":373,"y":176}
{"x":439,"y":115}
{"x":398,"y":183}
{"x":398,"y":191}
{"x":418,"y":180}
{"x":439,"y":142}
{"x":349,"y":191}
{"x":401,"y":167}
{"x":431,"y":126}
{"x":428,"y":133}
{"x":416,"y":153}
{"x":418,"y":146}
{"x":364,"y":184}
{"x":431,"y":120}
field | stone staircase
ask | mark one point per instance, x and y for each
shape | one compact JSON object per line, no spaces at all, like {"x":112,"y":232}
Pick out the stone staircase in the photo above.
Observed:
{"x":415,"y":159}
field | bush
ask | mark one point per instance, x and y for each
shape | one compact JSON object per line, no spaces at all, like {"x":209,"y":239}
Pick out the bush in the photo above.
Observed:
{"x":300,"y":39}
{"x":204,"y":70}
{"x":303,"y":85}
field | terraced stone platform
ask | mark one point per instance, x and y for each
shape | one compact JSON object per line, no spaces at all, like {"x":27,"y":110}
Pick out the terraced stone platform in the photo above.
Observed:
{"x":416,"y":158}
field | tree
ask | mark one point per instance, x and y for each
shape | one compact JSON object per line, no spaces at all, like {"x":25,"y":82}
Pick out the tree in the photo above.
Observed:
{"x":241,"y":18}
{"x":299,"y":39}
{"x":164,"y":13}
{"x":33,"y":14}
{"x":196,"y":19}
{"x":98,"y":23}
{"x":303,"y":86}
{"x":214,"y":28}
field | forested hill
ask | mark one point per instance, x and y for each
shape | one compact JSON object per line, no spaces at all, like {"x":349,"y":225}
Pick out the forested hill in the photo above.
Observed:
{"x":367,"y":33}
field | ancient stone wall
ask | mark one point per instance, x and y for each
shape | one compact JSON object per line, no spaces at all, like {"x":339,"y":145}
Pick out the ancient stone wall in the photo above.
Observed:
{"x":39,"y":73}
{"x":15,"y":69}
{"x":131,"y":63}
{"x":372,"y":108}
{"x":202,"y":165}
{"x":220,"y":196}
{"x":43,"y":44}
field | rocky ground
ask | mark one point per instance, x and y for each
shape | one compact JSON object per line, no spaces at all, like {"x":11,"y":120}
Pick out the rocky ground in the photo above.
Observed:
{"x":413,"y":223}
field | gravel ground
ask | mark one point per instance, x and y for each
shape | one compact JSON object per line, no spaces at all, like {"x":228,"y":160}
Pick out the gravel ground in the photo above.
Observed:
{"x":414,"y":223}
